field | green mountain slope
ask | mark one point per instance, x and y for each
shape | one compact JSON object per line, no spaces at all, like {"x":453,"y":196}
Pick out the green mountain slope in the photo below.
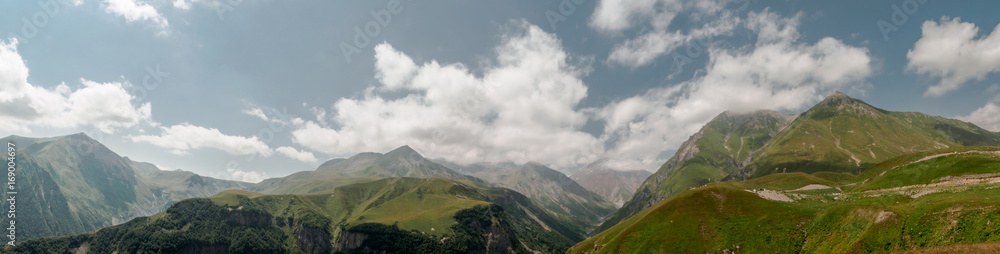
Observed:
{"x":613,"y":185}
{"x":843,"y":134}
{"x":555,"y":192}
{"x":441,"y":216}
{"x":931,"y":167}
{"x":723,"y":146}
{"x":363,"y":167}
{"x":837,"y":135}
{"x":917,"y":209}
{"x":74,"y":184}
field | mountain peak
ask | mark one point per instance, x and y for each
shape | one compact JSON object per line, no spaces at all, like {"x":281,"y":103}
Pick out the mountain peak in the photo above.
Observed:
{"x":80,"y":136}
{"x":403,"y":151}
{"x":534,"y":164}
{"x":840,"y":103}
{"x":837,"y":94}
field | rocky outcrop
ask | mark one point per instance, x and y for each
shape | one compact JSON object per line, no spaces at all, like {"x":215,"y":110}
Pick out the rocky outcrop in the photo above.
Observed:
{"x":314,"y":240}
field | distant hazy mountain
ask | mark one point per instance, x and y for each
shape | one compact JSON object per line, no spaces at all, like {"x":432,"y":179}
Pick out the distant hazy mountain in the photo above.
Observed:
{"x":390,"y":215}
{"x":554,"y":191}
{"x":615,"y":186}
{"x":363,"y":167}
{"x":478,"y":167}
{"x":74,"y":184}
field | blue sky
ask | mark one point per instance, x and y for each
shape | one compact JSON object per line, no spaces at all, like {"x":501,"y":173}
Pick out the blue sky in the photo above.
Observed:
{"x":253,"y":89}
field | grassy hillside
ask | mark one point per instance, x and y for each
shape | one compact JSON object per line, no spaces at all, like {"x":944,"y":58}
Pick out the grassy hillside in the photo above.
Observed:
{"x":709,"y":219}
{"x":930,"y":167}
{"x":873,"y":216}
{"x":721,"y":147}
{"x":836,"y":138}
{"x":363,"y":167}
{"x":417,"y":215}
{"x":843,"y":134}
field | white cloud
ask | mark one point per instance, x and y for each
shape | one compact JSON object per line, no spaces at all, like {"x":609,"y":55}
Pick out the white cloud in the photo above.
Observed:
{"x":246,"y":176}
{"x":182,"y":4}
{"x":106,"y":106}
{"x":525,"y":107}
{"x":184,"y":137}
{"x":772,"y":28}
{"x":951,"y":51}
{"x":395,"y":68}
{"x":132,"y":10}
{"x":656,"y":16}
{"x":303,"y":156}
{"x":256,"y":112}
{"x":617,"y":15}
{"x":521,"y":108}
{"x":644,"y":49}
{"x":986,"y":117}
{"x":779,"y":73}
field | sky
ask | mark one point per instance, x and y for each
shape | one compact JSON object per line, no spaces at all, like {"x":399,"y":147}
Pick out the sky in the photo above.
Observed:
{"x":254,"y":89}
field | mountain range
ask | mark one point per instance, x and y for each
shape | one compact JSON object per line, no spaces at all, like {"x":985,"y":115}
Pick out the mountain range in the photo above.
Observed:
{"x":554,"y":191}
{"x":842,"y":176}
{"x":75,"y":184}
{"x":839,"y":134}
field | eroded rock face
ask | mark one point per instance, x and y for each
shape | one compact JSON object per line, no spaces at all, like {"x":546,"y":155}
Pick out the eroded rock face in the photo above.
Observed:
{"x":498,"y":240}
{"x":350,"y":240}
{"x":315,"y":240}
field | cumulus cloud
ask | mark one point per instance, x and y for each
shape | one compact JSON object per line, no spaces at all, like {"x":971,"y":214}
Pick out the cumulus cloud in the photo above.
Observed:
{"x":986,"y":117}
{"x":184,"y":137}
{"x":106,"y":106}
{"x":644,"y":49}
{"x":524,"y":107}
{"x":182,"y":4}
{"x":303,"y":156}
{"x":520,"y":108}
{"x":133,"y":10}
{"x":951,"y":51}
{"x":245,"y":176}
{"x":780,"y":73}
{"x":655,"y":16}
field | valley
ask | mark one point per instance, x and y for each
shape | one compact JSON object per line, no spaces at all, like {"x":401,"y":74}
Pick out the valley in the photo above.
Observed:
{"x":841,"y":177}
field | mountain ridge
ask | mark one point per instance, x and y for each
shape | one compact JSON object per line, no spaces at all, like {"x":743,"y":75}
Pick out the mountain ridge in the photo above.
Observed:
{"x":81,"y":185}
{"x":616,"y":186}
{"x":726,"y":143}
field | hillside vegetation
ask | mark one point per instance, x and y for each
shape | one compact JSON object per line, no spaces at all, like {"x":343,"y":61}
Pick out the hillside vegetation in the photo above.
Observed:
{"x":837,"y":135}
{"x":417,"y":215}
{"x":911,"y":202}
{"x":720,"y":148}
